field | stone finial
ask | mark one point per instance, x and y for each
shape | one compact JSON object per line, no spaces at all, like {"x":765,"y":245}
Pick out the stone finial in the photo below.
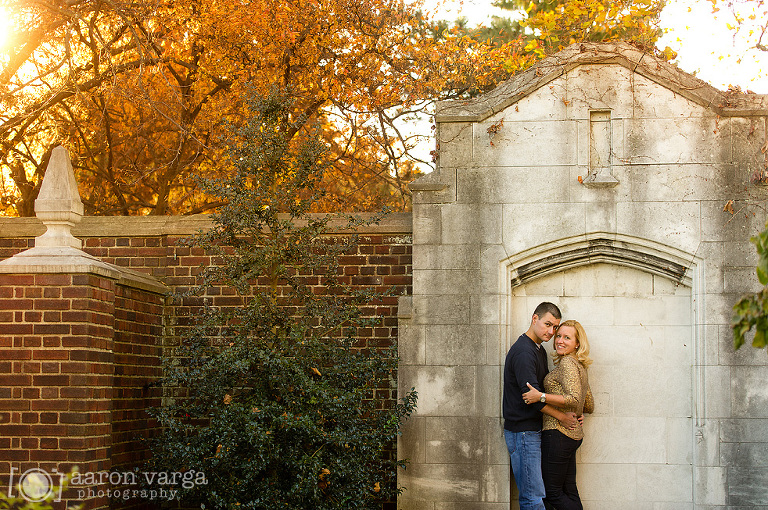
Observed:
{"x":58,"y":204}
{"x":59,"y":207}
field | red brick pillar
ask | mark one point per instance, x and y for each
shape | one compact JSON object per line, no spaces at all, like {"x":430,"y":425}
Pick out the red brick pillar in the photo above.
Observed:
{"x":56,"y":335}
{"x":57,"y":351}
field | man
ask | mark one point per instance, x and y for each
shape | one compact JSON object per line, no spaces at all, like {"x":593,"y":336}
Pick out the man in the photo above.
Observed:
{"x":527,"y":363}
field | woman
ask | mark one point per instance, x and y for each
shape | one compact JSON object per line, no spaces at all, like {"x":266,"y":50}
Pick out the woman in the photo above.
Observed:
{"x":567,"y":389}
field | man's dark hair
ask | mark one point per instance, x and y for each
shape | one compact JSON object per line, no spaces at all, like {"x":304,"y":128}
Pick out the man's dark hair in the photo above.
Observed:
{"x":547,"y":307}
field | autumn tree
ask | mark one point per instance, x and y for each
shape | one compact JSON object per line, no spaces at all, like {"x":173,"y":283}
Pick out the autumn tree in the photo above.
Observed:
{"x":747,"y":19}
{"x":561,"y":23}
{"x":277,"y":403}
{"x":139,"y":92}
{"x":547,"y":26}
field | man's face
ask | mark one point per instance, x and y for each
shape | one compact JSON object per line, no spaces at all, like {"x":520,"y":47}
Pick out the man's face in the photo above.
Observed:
{"x":544,"y":327}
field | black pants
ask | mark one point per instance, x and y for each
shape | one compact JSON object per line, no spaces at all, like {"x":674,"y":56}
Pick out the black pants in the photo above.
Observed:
{"x":558,"y":468}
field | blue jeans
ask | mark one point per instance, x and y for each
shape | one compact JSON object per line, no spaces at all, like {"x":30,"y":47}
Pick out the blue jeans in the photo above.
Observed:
{"x":525,"y":456}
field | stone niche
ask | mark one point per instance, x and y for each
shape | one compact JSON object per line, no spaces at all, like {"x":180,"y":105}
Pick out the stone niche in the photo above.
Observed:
{"x":598,"y":180}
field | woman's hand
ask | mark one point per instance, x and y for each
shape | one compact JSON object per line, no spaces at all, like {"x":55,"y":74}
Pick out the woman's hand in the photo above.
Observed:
{"x":531,"y":396}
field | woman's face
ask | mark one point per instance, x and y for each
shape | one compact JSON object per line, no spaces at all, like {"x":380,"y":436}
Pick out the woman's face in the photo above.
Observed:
{"x":565,"y":340}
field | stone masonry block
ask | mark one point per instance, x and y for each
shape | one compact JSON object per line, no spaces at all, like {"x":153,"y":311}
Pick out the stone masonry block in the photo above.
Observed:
{"x":550,"y":285}
{"x":427,"y":227}
{"x":677,"y":141}
{"x":600,"y":483}
{"x":601,"y":88}
{"x":411,"y":345}
{"x":455,"y":344}
{"x":710,"y":484}
{"x":718,"y":391}
{"x":750,"y":430}
{"x":629,"y":94}
{"x":679,"y":441}
{"x":669,"y":483}
{"x":748,"y":137}
{"x":458,"y":439}
{"x":494,"y":486}
{"x":674,"y":183}
{"x":676,"y":224}
{"x":746,"y":487}
{"x":547,"y":102}
{"x":508,"y":184}
{"x":447,"y":281}
{"x":670,"y":394}
{"x":746,"y":355}
{"x":590,"y":281}
{"x":439,"y":309}
{"x":525,"y":226}
{"x":489,"y":390}
{"x":600,"y":213}
{"x":608,"y":448}
{"x":749,"y":393}
{"x":516,"y":143}
{"x":452,"y":256}
{"x":411,"y":444}
{"x":748,"y":220}
{"x":635,"y":345}
{"x":743,"y":454}
{"x":443,"y":390}
{"x":486,"y":309}
{"x":454,"y":141}
{"x":443,"y":482}
{"x":495,"y":335}
{"x":654,"y":310}
{"x":471,"y":224}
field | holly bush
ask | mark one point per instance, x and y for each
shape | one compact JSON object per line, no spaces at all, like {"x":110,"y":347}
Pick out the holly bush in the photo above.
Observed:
{"x":273,"y":399}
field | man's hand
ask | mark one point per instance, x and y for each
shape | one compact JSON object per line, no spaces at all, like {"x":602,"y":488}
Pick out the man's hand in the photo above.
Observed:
{"x":570,"y":421}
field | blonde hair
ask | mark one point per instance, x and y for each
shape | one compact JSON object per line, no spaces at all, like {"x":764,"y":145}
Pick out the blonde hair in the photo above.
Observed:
{"x":582,"y":350}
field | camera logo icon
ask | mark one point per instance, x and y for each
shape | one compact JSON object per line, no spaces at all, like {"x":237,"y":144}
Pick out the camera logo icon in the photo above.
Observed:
{"x":35,"y":485}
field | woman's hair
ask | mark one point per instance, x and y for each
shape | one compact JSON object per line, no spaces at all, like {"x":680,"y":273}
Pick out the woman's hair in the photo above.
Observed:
{"x":582,"y":350}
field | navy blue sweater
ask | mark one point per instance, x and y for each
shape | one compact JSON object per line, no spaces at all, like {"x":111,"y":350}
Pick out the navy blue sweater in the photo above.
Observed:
{"x":525,"y":363}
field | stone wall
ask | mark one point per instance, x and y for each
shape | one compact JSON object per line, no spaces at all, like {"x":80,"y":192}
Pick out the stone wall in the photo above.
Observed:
{"x":599,"y":180}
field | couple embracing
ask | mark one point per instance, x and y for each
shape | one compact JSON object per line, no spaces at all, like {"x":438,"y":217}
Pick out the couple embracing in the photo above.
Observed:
{"x":543,"y":410}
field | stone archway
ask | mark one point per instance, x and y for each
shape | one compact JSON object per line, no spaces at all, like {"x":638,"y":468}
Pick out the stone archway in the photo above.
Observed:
{"x":639,"y":304}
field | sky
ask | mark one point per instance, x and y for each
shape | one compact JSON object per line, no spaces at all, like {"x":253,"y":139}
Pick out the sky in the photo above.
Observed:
{"x":702,"y":40}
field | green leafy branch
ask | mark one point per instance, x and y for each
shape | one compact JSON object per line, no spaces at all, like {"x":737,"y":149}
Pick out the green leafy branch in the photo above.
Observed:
{"x":752,"y":311}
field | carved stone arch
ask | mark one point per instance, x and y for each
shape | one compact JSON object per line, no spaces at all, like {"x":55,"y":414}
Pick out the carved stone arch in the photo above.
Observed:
{"x":673,"y":339}
{"x":603,"y":247}
{"x":652,"y":257}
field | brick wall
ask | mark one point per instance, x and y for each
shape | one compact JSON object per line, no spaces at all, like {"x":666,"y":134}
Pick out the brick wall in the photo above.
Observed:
{"x":79,"y":352}
{"x":137,"y":357}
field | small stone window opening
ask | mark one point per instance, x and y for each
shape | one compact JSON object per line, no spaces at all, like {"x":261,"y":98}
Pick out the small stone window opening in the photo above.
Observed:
{"x":600,"y":151}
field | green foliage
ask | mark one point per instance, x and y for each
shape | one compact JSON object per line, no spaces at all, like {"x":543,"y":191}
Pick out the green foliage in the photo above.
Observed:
{"x":752,"y":311}
{"x":36,"y":493}
{"x":276,"y":405}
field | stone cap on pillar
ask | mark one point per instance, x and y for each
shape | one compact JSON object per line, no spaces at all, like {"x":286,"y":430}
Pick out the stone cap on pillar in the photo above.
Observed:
{"x":59,"y":207}
{"x":58,"y":204}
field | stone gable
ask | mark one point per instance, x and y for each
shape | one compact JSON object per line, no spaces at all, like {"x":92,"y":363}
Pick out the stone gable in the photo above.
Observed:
{"x":597,"y":180}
